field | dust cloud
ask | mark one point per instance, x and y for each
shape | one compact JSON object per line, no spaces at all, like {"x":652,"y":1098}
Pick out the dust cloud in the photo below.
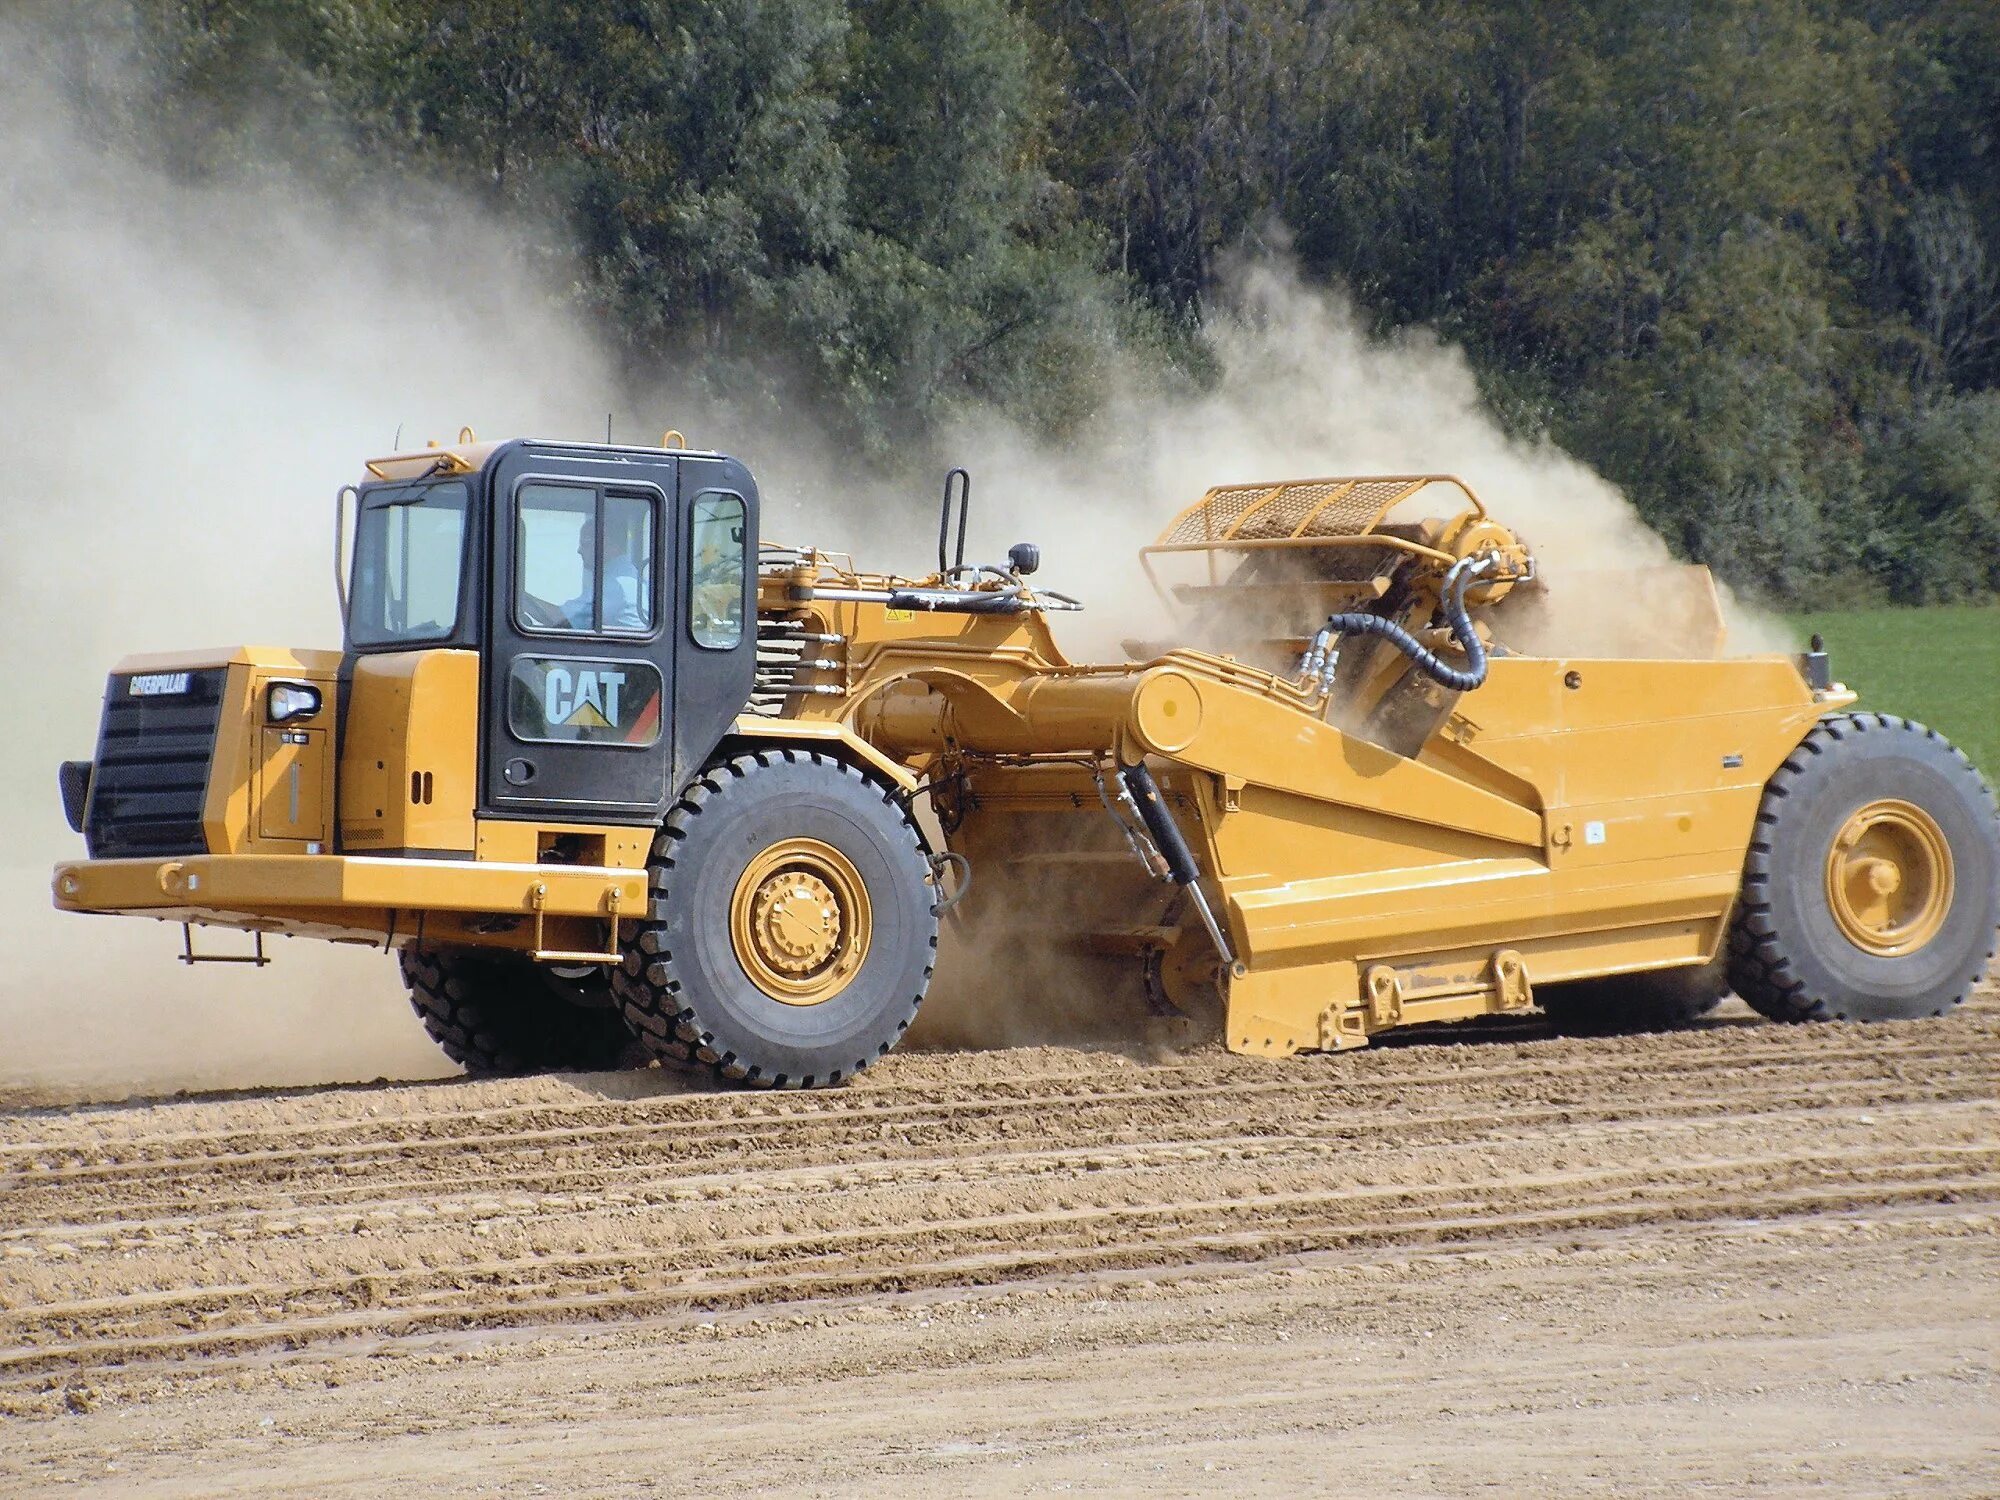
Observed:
{"x":191,"y":370}
{"x":1303,"y":390}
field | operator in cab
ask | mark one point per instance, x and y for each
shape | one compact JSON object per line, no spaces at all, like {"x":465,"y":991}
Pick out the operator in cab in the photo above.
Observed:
{"x":625,"y":588}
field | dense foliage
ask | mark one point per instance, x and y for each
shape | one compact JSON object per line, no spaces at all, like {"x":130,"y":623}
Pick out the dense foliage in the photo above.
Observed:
{"x":1741,"y":255}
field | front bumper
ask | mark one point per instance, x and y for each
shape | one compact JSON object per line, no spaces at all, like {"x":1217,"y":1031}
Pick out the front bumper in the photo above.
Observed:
{"x":364,"y":895}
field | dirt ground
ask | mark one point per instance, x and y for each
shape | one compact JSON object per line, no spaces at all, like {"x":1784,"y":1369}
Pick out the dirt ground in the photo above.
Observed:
{"x":1747,"y":1259}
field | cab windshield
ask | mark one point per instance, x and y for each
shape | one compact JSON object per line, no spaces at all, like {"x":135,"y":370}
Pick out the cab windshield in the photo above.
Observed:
{"x":409,"y":550}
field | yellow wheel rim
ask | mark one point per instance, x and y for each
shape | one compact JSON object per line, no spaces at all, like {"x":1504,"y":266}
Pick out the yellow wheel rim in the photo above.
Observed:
{"x":1889,"y":878}
{"x":800,"y":921}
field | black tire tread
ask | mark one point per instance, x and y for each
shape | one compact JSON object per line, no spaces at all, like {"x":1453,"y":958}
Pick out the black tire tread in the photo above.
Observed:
{"x":494,"y":1015}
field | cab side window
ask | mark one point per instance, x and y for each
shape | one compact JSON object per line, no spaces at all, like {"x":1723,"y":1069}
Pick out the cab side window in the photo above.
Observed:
{"x":585,"y":560}
{"x":718,"y":581}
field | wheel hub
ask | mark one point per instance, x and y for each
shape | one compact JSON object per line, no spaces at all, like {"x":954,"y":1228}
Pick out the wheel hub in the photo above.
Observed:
{"x":796,"y":921}
{"x":1889,"y":878}
{"x":800,"y":921}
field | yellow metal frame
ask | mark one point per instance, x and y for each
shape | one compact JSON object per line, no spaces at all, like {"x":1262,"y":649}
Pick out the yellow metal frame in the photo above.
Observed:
{"x":1571,"y":818}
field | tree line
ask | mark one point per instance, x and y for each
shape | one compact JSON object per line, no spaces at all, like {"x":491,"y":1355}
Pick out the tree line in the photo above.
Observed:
{"x":1743,"y":256}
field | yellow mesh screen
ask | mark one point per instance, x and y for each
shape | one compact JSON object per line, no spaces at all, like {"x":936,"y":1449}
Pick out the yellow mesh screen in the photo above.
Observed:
{"x":1219,"y":510}
{"x":1307,"y":508}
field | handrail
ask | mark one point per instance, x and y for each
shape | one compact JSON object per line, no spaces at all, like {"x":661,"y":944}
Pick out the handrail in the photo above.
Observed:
{"x":340,"y":541}
{"x":949,"y":565}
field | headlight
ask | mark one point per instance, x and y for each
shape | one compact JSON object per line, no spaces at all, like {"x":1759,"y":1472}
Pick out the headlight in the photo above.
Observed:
{"x":286,"y":701}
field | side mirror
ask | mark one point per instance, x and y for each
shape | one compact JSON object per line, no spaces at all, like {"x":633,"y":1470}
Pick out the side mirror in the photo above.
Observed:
{"x":1024,"y":557}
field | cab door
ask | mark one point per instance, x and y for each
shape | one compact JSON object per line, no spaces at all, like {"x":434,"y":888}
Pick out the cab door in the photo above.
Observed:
{"x":578,"y":677}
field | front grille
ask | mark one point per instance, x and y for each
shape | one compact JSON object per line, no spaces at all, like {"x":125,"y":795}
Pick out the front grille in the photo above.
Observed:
{"x":150,"y":778}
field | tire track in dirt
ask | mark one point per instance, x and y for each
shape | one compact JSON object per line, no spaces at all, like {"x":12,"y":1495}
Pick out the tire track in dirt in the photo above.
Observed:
{"x":739,"y":1271}
{"x":583,"y":1169}
{"x":39,"y":1179}
{"x":141,"y":1234}
{"x":446,"y":1114}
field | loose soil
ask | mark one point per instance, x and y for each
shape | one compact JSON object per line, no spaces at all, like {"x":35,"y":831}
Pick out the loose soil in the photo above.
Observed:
{"x":1741,"y":1259}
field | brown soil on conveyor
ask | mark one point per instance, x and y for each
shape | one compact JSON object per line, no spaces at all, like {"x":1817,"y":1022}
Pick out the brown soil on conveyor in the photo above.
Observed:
{"x":1739,"y":1259}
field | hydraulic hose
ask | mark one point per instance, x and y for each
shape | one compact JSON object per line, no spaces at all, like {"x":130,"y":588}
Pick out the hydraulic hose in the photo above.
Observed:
{"x":1452,"y":607}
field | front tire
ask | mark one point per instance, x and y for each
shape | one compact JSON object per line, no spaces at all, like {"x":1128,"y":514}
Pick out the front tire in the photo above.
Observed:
{"x":792,"y":929}
{"x":496,"y":1013}
{"x":1871,"y":891}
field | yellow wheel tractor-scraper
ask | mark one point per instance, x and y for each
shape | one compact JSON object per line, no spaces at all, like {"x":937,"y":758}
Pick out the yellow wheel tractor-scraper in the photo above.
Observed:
{"x":603,"y":765}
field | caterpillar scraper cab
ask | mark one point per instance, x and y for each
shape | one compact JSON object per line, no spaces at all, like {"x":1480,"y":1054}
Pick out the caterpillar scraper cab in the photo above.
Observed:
{"x":611,"y":773}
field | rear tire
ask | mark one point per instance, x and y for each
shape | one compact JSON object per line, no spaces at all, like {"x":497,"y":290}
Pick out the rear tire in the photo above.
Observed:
{"x":1872,"y":887}
{"x":792,"y":926}
{"x":496,"y":1013}
{"x":1656,"y":1000}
